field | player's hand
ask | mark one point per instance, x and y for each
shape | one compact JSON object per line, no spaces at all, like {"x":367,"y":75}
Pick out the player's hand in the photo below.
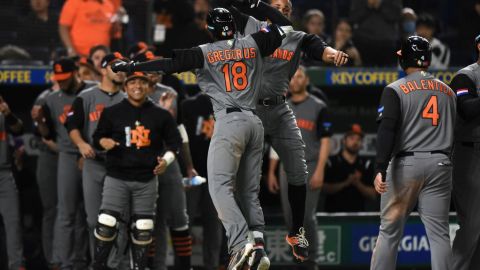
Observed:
{"x":122,"y":66}
{"x":167,"y":101}
{"x":191,"y":172}
{"x":338,"y":58}
{"x":272,"y":183}
{"x":380,"y":184}
{"x":4,"y":109}
{"x":86,"y":150}
{"x":161,"y":167}
{"x":316,"y":181}
{"x":356,"y":178}
{"x":108,"y":144}
{"x":37,"y":113}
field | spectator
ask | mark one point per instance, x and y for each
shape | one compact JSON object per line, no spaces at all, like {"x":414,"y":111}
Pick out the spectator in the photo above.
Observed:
{"x":348,"y":177}
{"x":87,"y":72}
{"x":375,"y":30}
{"x":38,"y":30}
{"x":426,"y":26}
{"x":86,"y":23}
{"x":409,"y":19}
{"x":314,"y":23}
{"x":201,"y":8}
{"x":343,"y":42}
{"x":96,"y":54}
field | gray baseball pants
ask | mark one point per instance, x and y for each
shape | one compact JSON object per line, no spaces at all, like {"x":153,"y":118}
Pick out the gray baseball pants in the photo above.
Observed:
{"x":234,"y":169}
{"x":425,"y":179}
{"x":72,"y":234}
{"x":10,"y":212}
{"x":466,"y":196}
{"x":285,"y":136}
{"x":46,"y":174}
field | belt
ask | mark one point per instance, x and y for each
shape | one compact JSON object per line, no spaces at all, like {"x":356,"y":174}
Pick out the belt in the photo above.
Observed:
{"x":409,"y":154}
{"x":233,"y":109}
{"x":271,"y":101}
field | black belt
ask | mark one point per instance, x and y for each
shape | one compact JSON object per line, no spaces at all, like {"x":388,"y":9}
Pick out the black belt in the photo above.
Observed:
{"x":233,"y":109}
{"x":271,"y":101}
{"x":409,"y":154}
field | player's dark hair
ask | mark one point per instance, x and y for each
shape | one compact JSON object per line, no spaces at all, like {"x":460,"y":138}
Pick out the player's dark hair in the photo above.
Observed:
{"x":427,"y":20}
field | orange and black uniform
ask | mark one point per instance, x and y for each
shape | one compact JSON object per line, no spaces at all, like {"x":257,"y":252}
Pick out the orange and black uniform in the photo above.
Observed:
{"x":151,"y":132}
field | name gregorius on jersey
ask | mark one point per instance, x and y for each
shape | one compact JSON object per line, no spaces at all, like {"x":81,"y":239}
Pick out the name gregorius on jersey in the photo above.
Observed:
{"x":233,"y":54}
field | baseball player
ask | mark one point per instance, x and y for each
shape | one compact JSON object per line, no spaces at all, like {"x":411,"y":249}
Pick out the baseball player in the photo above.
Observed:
{"x":199,"y":122}
{"x":81,"y":122}
{"x":277,"y":117}
{"x":171,"y":205}
{"x":9,"y":205}
{"x":415,"y":135}
{"x":141,"y":140}
{"x":228,"y":70}
{"x":466,"y":188}
{"x":50,"y":119}
{"x":46,"y":175}
{"x":311,"y":117}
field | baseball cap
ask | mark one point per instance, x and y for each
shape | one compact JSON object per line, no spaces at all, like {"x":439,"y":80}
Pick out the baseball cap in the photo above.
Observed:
{"x":477,"y":39}
{"x":136,"y":49}
{"x":355,"y":129}
{"x":87,"y":62}
{"x":144,"y":56}
{"x":136,"y":74}
{"x":63,"y":69}
{"x":109,"y":58}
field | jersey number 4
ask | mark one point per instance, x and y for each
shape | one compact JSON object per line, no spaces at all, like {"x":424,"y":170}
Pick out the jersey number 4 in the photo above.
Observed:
{"x":239,"y":72}
{"x":431,"y":111}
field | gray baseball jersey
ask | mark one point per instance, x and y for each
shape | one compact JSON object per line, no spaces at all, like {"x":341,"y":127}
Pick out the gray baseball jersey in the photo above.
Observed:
{"x":227,"y":76}
{"x":282,"y":64}
{"x":428,"y":127}
{"x":310,"y":118}
{"x":92,"y":102}
{"x":469,"y":131}
{"x":57,"y":106}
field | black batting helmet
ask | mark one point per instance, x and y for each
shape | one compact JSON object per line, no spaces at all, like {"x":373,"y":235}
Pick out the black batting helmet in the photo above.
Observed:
{"x":415,"y":52}
{"x":221,"y":24}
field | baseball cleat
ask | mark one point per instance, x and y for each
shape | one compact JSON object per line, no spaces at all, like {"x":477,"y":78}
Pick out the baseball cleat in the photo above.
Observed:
{"x":299,"y":245}
{"x":238,"y":259}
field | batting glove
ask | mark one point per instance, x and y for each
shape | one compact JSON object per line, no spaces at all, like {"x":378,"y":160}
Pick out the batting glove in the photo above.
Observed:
{"x":122,"y":66}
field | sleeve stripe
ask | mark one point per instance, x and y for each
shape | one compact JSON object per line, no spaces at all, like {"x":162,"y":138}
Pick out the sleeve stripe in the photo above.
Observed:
{"x":461,"y":92}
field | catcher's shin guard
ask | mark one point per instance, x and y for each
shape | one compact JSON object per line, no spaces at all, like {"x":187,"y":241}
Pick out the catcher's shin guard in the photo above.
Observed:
{"x":105,"y":234}
{"x":141,"y":237}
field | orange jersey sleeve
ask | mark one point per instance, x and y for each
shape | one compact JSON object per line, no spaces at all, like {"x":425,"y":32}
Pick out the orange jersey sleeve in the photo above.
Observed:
{"x":68,"y":13}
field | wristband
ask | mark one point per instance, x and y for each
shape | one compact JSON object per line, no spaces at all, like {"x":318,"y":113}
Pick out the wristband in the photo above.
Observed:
{"x":169,"y":157}
{"x":183,"y":133}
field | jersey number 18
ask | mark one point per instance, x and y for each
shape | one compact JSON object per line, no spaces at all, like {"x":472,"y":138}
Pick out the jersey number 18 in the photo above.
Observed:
{"x":239,"y":72}
{"x":431,"y":111}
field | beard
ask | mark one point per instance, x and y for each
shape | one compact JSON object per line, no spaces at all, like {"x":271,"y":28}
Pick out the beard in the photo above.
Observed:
{"x":352,"y":151}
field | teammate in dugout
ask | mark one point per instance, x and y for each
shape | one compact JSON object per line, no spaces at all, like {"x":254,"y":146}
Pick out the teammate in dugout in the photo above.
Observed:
{"x":277,"y":117}
{"x":9,"y":204}
{"x":141,"y":140}
{"x":466,"y":187}
{"x":50,"y":118}
{"x":81,"y":122}
{"x":414,"y":141}
{"x":228,"y":70}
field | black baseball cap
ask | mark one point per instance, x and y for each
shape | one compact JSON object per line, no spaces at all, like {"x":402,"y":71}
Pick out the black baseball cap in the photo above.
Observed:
{"x":63,"y":69}
{"x":144,"y":56}
{"x":477,"y":39}
{"x":355,"y":129}
{"x":138,"y":48}
{"x":135,"y":75}
{"x":109,"y":58}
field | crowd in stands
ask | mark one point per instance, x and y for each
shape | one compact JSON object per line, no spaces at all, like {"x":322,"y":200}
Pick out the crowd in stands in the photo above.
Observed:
{"x":368,"y":30}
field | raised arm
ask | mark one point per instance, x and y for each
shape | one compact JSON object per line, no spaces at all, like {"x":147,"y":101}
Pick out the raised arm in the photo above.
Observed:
{"x":182,"y":60}
{"x":269,"y":39}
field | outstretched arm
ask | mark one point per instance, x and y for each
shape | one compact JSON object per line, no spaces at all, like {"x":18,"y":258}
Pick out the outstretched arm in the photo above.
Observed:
{"x":182,"y":60}
{"x":317,"y":49}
